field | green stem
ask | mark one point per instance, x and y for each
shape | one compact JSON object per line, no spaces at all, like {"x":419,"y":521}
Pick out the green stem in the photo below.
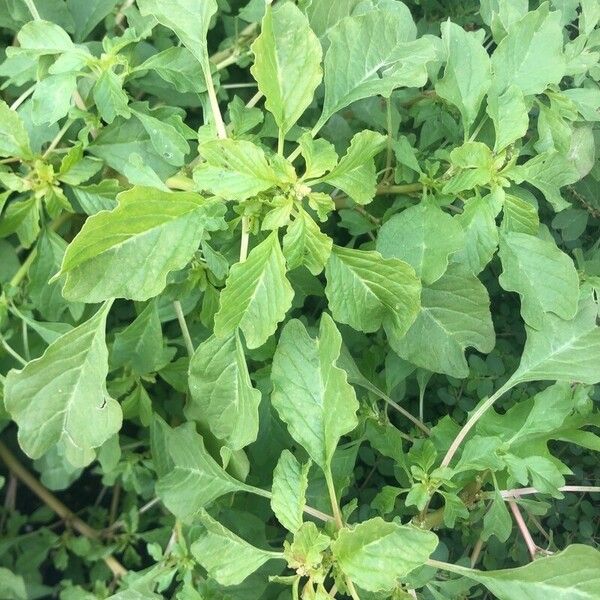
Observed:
{"x":407,"y":188}
{"x":352,"y":589}
{"x":245,"y":240}
{"x":187,"y":338}
{"x":280,"y":142}
{"x":462,"y":434}
{"x":33,"y":10}
{"x":214,"y":103}
{"x":337,"y":515}
{"x":12,"y":352}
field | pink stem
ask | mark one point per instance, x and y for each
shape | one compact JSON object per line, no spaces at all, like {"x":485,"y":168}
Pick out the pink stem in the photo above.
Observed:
{"x":531,"y":545}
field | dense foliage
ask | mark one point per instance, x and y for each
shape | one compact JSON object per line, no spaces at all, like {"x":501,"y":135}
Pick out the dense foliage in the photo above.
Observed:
{"x":300,"y":300}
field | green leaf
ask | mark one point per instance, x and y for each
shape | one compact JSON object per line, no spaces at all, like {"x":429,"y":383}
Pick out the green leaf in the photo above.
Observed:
{"x":544,"y":277}
{"x":319,"y":155}
{"x":520,"y":216}
{"x":88,"y":15}
{"x":61,"y":397}
{"x":109,"y":96}
{"x":177,"y":66}
{"x":290,"y":481}
{"x":257,"y":295}
{"x":287,"y":64}
{"x":14,"y":139}
{"x":193,"y":479}
{"x":548,"y":172}
{"x":478,"y":220}
{"x":129,"y":251}
{"x":140,"y":344}
{"x":367,"y":291}
{"x":455,"y":314}
{"x":531,"y":55}
{"x":305,"y":244}
{"x":234,"y":169}
{"x":572,"y":573}
{"x":226,"y":557}
{"x":39,"y":38}
{"x":310,"y":392}
{"x":467,"y":74}
{"x":222,"y":396}
{"x":189,"y":20}
{"x":12,"y":586}
{"x":47,"y":295}
{"x":510,"y":114}
{"x":497,"y":520}
{"x":414,"y":236}
{"x":167,"y":141}
{"x":563,"y":350}
{"x":352,"y":74}
{"x":376,"y":554}
{"x":355,"y":173}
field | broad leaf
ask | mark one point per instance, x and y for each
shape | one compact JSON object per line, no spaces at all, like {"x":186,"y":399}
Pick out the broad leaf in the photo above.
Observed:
{"x":455,"y":314}
{"x":189,"y":19}
{"x":564,"y":350}
{"x":510,"y":114}
{"x":572,"y":573}
{"x":478,"y":220}
{"x":14,"y":139}
{"x":140,"y":345}
{"x":543,"y":275}
{"x":376,"y":554}
{"x":61,"y":397}
{"x":414,"y":236}
{"x":355,"y":173}
{"x":305,"y":244}
{"x":352,"y":74}
{"x":531,"y":55}
{"x":194,"y":479}
{"x":290,"y":481}
{"x":310,"y":392}
{"x":467,"y":74}
{"x":257,"y":295}
{"x":367,"y":291}
{"x":234,"y":169}
{"x":226,"y":557}
{"x":129,"y":251}
{"x":287,"y":63}
{"x":222,"y":396}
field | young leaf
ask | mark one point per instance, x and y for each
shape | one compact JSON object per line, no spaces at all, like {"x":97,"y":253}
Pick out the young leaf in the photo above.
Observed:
{"x":544,"y":277}
{"x":352,"y":74}
{"x":497,"y":520}
{"x":226,"y":557}
{"x":414,"y":236}
{"x":129,"y":251}
{"x":572,"y":573}
{"x":310,"y":392}
{"x":234,"y":169}
{"x":257,"y":295}
{"x":61,"y":397}
{"x":455,"y":314}
{"x":290,"y":481}
{"x":194,"y":479}
{"x":367,"y":291}
{"x":563,"y":350}
{"x":376,"y":554}
{"x":355,"y":173}
{"x":467,"y":74}
{"x":167,"y":141}
{"x":222,"y":396}
{"x":287,"y":64}
{"x":305,"y":244}
{"x":319,"y":155}
{"x":111,"y":101}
